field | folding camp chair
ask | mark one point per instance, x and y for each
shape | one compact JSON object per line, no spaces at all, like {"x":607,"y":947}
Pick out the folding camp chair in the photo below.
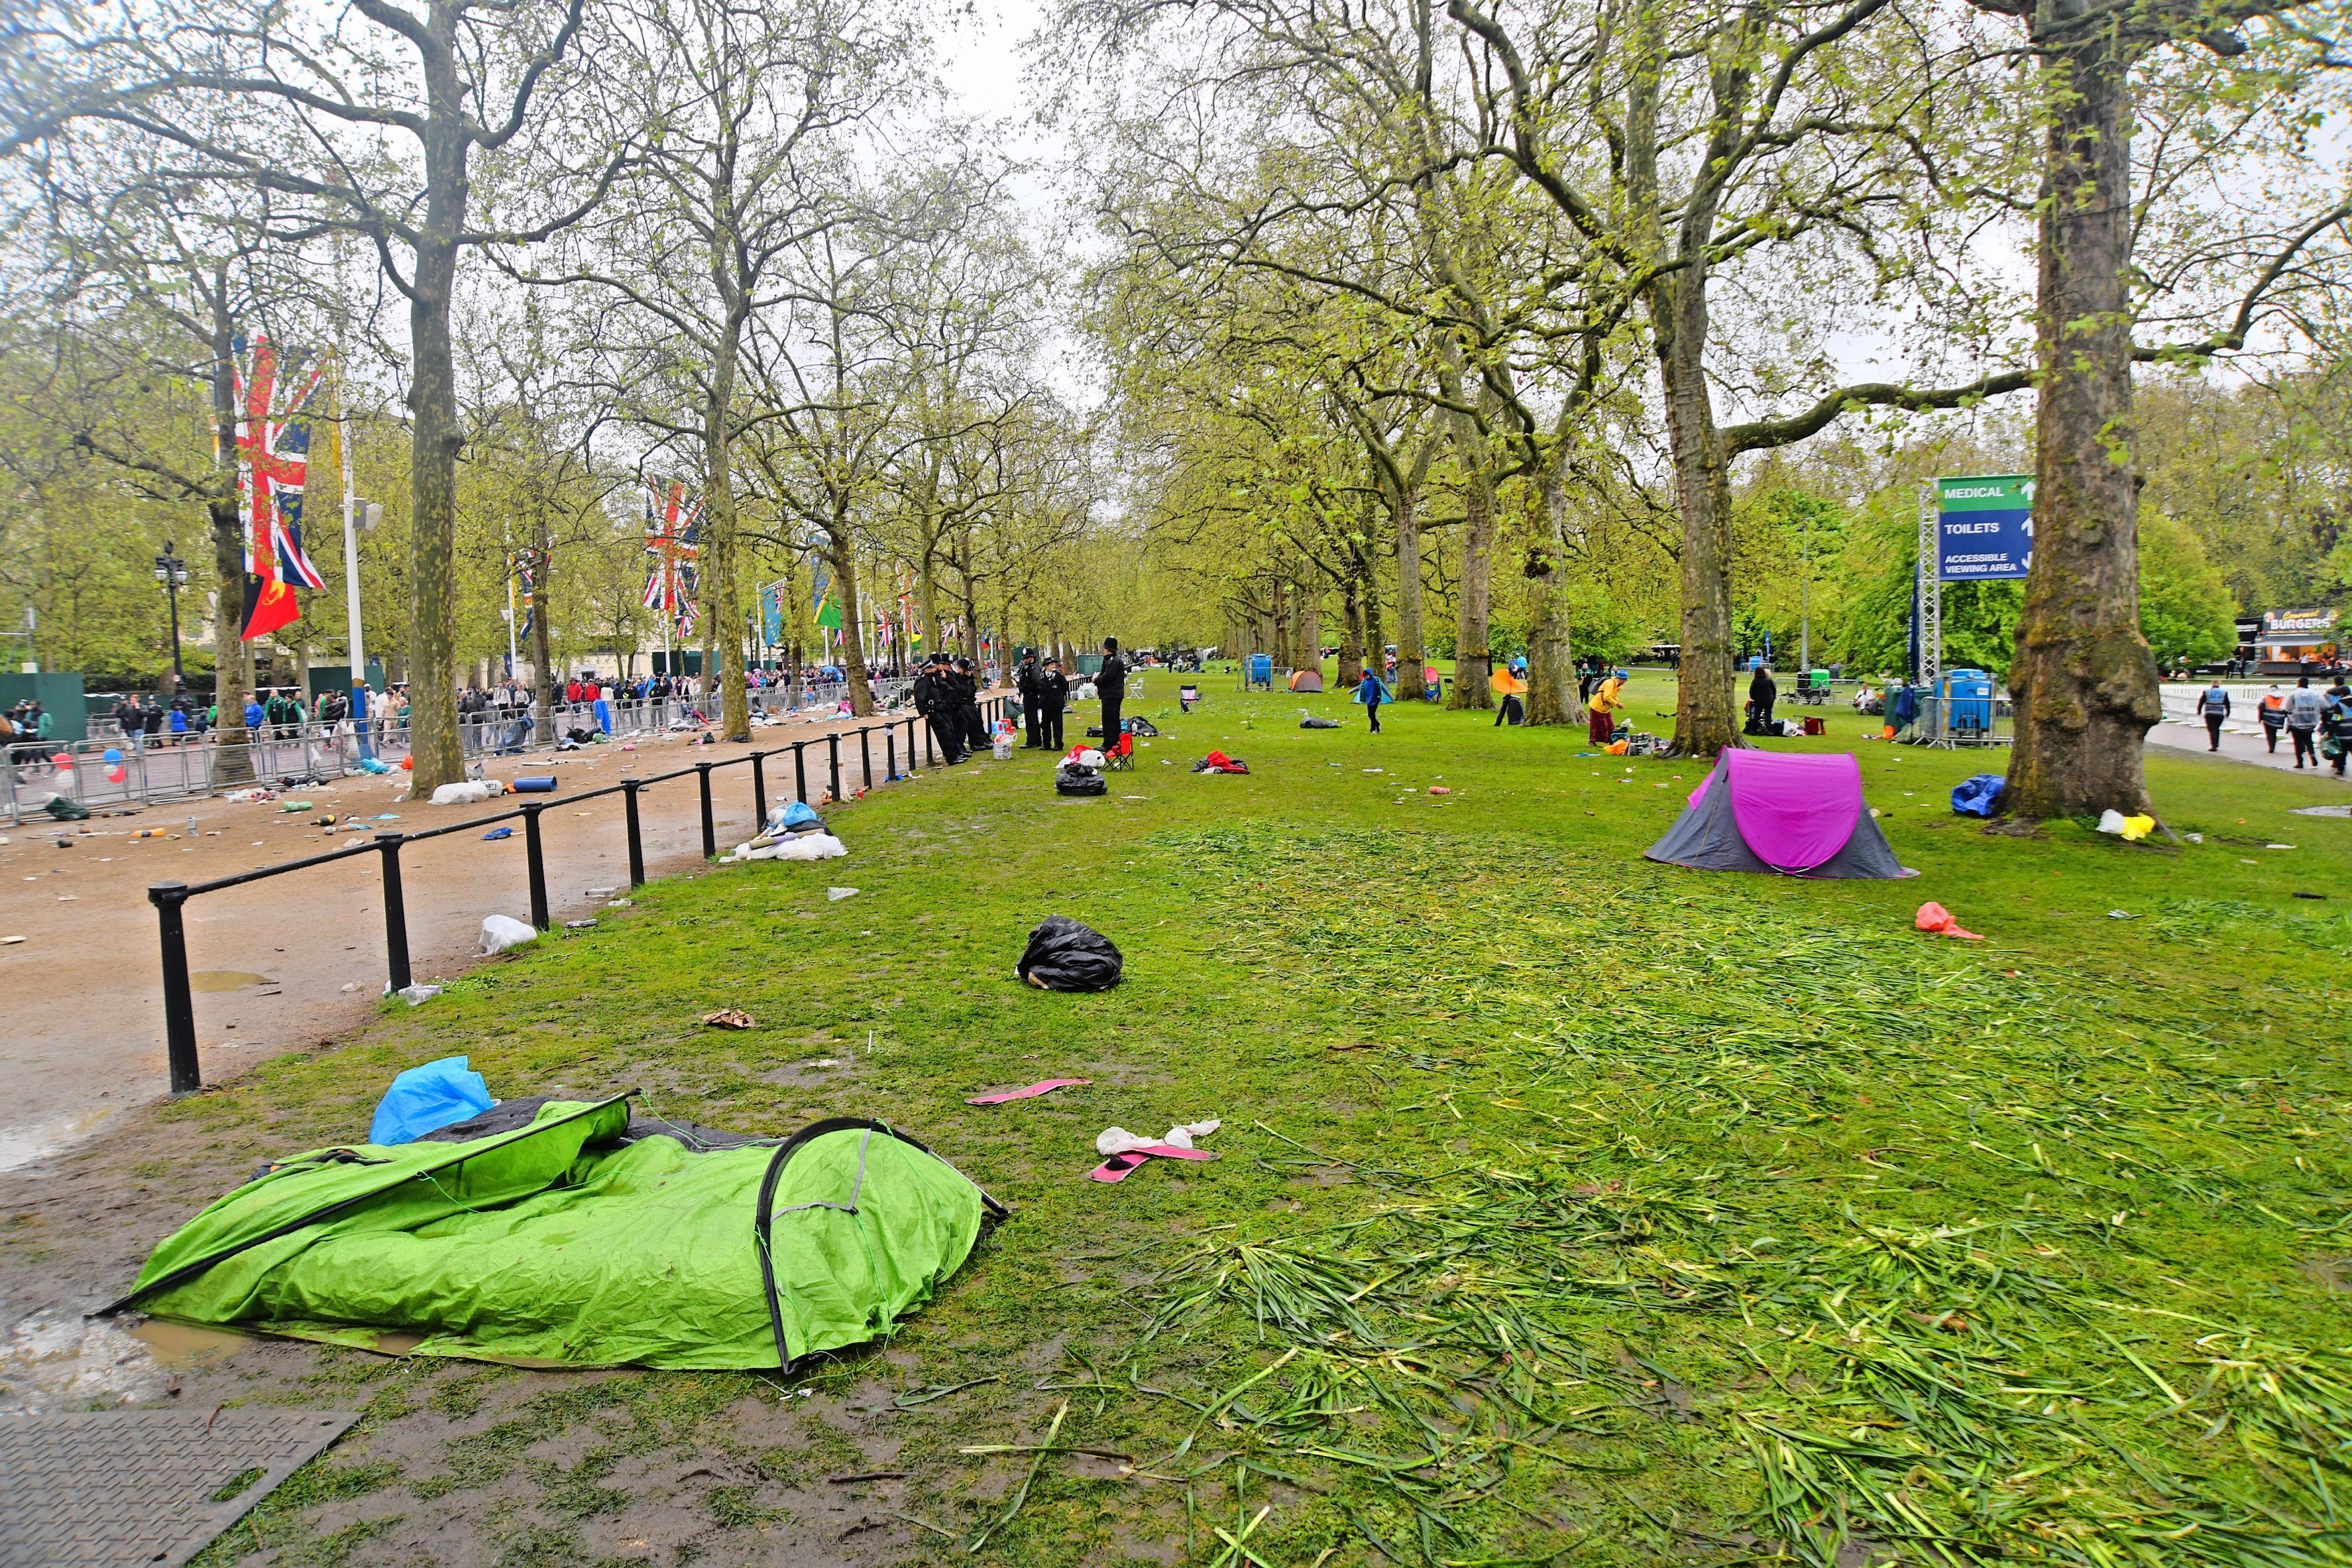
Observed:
{"x":1119,"y":755}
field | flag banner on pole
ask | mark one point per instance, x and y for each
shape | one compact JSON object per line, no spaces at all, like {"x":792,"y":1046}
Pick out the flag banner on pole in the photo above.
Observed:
{"x":828,"y":612}
{"x":526,"y":592}
{"x":672,"y":535}
{"x":771,"y":614}
{"x":272,"y":463}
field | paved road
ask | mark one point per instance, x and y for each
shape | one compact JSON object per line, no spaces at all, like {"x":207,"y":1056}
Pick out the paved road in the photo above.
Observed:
{"x":2239,"y":743}
{"x":82,"y":1037}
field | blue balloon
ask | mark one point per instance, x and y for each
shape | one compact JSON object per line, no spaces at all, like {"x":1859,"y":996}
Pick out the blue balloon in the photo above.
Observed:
{"x":114,"y":753}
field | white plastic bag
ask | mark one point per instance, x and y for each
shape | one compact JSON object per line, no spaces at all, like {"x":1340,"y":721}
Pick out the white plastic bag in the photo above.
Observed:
{"x":469,"y":793}
{"x":501,"y":932}
{"x":2111,"y":821}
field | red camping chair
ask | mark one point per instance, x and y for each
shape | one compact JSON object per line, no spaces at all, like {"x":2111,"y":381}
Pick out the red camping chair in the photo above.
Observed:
{"x":1120,"y":754}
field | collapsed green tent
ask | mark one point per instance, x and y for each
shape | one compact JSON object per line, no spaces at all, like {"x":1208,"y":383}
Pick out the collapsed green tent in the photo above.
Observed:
{"x":555,"y":1231}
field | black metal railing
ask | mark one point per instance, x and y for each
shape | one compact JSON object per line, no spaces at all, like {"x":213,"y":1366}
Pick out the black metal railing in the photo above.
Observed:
{"x":171,"y":899}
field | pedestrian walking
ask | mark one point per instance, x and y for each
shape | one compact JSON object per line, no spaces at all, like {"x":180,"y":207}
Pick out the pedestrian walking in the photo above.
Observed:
{"x":1372,"y":693}
{"x":2272,"y":713}
{"x":2336,"y":726}
{"x":2213,"y":703}
{"x":2304,"y":706}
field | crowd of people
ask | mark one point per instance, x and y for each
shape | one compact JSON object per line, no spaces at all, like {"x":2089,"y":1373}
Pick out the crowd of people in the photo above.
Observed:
{"x":947,"y":696}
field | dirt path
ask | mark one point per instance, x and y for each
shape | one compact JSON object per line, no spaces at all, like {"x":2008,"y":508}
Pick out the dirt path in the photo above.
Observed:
{"x":300,"y":959}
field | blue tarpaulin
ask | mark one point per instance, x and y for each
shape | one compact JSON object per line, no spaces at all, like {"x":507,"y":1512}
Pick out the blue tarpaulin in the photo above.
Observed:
{"x":427,"y":1099}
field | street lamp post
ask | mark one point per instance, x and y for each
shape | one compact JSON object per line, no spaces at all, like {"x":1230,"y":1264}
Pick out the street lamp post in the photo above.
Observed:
{"x":172,"y":573}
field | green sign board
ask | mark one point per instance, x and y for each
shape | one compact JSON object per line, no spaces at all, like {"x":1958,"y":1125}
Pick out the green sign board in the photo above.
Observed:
{"x":1984,"y":527}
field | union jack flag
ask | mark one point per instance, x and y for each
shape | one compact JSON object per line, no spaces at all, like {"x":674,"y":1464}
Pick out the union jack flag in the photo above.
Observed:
{"x":272,"y":464}
{"x":672,"y":539}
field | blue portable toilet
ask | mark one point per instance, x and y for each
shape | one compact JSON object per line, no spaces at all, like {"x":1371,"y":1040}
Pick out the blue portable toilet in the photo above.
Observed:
{"x":1261,"y":669}
{"x":1968,"y":709}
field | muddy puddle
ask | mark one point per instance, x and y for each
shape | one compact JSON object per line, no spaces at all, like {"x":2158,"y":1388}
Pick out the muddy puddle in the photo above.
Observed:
{"x":38,"y":1140}
{"x":177,"y":1345}
{"x":225,"y":980}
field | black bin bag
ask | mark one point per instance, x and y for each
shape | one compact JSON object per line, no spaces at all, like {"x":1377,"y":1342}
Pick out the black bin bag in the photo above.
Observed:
{"x":1064,"y":956}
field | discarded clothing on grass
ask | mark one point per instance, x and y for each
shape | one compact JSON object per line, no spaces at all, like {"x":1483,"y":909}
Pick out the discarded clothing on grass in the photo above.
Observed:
{"x":790,"y":847}
{"x":433,"y":1095}
{"x":1309,"y":721}
{"x":1937,"y":920}
{"x":1218,"y":762}
{"x":572,"y":1232}
{"x":1126,"y":1150}
{"x":1978,"y":795}
{"x":1030,"y":1091}
{"x":1064,"y":956}
{"x":1119,"y":1139}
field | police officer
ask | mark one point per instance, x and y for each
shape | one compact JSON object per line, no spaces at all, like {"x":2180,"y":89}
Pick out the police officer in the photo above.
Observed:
{"x":935,"y":701}
{"x":975,"y":730}
{"x":1053,"y":696}
{"x":1111,"y":685}
{"x":1032,"y":707}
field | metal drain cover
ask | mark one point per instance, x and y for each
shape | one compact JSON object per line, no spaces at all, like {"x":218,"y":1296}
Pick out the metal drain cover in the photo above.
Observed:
{"x":131,"y":1487}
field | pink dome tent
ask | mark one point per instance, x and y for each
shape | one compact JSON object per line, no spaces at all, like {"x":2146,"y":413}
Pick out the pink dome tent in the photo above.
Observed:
{"x":1798,"y":813}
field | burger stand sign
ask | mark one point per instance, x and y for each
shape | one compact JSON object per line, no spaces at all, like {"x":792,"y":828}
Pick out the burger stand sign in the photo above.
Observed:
{"x":2296,"y":637}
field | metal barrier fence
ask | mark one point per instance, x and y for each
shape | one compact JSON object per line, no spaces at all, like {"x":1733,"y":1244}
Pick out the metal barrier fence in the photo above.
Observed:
{"x":171,"y":899}
{"x":147,"y":769}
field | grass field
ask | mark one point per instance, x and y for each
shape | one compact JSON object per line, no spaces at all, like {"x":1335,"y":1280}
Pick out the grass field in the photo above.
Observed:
{"x":1569,"y":1207}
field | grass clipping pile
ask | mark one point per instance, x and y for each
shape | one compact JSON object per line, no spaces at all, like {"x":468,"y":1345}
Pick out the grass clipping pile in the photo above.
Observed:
{"x":1660,"y":1278}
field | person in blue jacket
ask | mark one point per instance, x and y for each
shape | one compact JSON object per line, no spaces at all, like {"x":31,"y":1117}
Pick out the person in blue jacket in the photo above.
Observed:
{"x":1372,"y":693}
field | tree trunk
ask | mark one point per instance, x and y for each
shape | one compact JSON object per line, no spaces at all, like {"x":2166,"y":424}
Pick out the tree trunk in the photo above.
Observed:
{"x":1410,"y":686}
{"x":1675,"y":302}
{"x":1470,"y":652}
{"x":1702,"y":705}
{"x":233,"y":760}
{"x":721,"y":539}
{"x":542,"y":636}
{"x":971,"y":601}
{"x":1351,"y":646}
{"x":1310,"y":626}
{"x":1368,"y":587}
{"x":1551,"y":665}
{"x":842,"y":554}
{"x":2084,"y":681}
{"x":434,"y":438}
{"x":1281,"y":617}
